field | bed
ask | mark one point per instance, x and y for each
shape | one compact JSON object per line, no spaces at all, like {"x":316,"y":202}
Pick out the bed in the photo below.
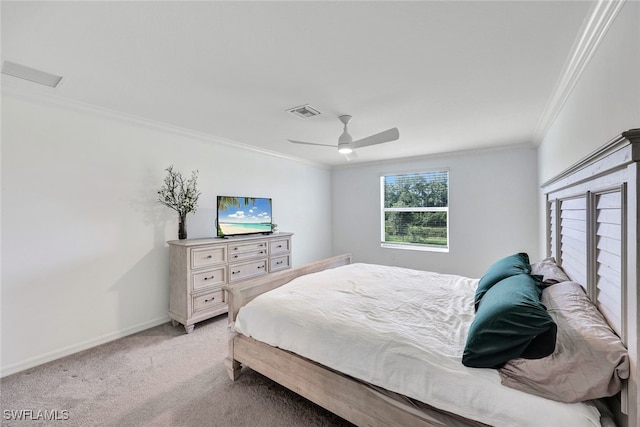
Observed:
{"x":592,"y":238}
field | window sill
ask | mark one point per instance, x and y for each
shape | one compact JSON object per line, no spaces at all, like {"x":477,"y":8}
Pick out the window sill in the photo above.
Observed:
{"x":414,"y":247}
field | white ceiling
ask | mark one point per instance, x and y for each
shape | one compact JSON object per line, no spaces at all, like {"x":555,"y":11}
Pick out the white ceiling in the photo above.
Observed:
{"x":450,"y":75}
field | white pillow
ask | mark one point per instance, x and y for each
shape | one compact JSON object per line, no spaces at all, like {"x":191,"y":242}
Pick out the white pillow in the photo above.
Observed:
{"x":550,"y":271}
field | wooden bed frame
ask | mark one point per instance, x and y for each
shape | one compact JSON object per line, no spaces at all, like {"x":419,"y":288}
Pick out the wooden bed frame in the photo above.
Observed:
{"x":342,"y":395}
{"x":592,"y":231}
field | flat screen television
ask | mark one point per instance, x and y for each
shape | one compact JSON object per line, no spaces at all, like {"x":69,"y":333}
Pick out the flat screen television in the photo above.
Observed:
{"x":243,"y":215}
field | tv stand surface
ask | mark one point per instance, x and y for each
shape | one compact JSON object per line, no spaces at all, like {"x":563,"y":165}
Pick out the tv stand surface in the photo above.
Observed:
{"x":240,"y":236}
{"x":198,"y":268}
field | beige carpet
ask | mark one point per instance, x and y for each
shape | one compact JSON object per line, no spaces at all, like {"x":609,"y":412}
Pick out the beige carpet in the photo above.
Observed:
{"x":158,"y":377}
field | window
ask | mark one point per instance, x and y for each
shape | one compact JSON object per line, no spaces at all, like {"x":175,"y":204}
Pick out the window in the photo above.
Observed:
{"x":415,"y":211}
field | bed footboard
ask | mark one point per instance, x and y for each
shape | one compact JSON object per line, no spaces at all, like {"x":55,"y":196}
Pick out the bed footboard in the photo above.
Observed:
{"x":239,"y":294}
{"x":342,"y":395}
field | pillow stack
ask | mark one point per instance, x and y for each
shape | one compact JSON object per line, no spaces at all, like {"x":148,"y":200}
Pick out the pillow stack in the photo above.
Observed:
{"x":511,"y":321}
{"x":589,"y":362}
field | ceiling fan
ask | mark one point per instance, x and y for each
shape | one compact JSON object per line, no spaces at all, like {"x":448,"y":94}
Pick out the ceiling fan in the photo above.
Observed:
{"x":346,"y":144}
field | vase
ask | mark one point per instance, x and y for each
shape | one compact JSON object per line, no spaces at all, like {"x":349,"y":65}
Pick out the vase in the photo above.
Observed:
{"x":182,"y":227}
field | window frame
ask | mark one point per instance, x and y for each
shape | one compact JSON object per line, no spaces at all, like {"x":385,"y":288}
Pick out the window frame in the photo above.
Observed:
{"x":414,"y":246}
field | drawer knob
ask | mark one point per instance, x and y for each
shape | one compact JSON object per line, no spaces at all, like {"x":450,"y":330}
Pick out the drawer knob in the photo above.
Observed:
{"x":235,"y":256}
{"x":260,"y":266}
{"x":210,"y":256}
{"x":279,"y":262}
{"x":279,"y":246}
{"x":235,"y":272}
{"x":210,"y":299}
{"x":209,"y":278}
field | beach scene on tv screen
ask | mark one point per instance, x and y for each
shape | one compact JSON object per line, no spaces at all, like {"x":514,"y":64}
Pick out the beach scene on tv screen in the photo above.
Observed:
{"x":243,"y":215}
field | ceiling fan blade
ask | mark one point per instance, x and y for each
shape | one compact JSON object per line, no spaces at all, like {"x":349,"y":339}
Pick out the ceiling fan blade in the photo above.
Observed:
{"x":310,"y":143}
{"x":384,"y":136}
{"x":350,"y":156}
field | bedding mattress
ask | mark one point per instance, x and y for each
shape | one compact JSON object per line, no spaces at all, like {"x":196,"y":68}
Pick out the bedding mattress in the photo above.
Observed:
{"x":403,"y":330}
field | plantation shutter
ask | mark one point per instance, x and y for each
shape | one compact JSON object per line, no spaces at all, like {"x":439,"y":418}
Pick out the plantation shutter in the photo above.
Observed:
{"x":608,"y":246}
{"x":573,"y":238}
{"x":553,"y":229}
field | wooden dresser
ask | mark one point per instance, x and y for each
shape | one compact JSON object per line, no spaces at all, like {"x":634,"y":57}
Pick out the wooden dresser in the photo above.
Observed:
{"x":198,"y":268}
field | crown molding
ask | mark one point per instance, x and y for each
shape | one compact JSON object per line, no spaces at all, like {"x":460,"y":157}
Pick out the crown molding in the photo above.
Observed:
{"x":53,"y":99}
{"x":593,"y":31}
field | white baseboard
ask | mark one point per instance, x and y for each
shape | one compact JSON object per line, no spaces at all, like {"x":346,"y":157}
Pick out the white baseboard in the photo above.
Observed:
{"x":75,"y":348}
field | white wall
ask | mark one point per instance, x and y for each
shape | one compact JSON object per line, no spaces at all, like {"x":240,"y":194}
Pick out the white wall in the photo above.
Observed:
{"x":84,"y":258}
{"x":492,"y":208}
{"x":604,"y":102}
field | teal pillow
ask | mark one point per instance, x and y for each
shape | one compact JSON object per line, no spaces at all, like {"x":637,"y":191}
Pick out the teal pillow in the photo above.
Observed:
{"x":511,"y":322}
{"x":506,"y":267}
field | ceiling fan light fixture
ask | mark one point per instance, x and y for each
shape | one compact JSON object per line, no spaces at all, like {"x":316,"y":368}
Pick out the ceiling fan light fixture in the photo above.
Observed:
{"x":346,"y":144}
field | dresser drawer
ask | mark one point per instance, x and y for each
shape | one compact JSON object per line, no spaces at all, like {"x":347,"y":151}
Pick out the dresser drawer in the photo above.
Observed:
{"x":208,"y":301}
{"x":279,"y":263}
{"x":215,"y":276}
{"x":279,"y":246}
{"x":252,"y":254}
{"x":205,"y":257}
{"x":238,"y":248}
{"x":247,"y":270}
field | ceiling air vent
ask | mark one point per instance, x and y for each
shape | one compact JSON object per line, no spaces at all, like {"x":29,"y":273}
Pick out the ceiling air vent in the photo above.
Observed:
{"x":31,"y":74}
{"x":304,"y":111}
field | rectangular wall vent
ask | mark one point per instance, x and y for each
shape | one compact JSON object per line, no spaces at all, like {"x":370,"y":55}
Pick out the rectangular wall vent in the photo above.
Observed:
{"x":31,"y":74}
{"x":304,"y":111}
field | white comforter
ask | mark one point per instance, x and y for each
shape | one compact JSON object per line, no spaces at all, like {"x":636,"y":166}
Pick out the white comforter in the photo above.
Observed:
{"x":403,"y":330}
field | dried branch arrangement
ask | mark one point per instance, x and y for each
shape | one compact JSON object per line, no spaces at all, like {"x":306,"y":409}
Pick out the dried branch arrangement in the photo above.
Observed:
{"x":181,"y":195}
